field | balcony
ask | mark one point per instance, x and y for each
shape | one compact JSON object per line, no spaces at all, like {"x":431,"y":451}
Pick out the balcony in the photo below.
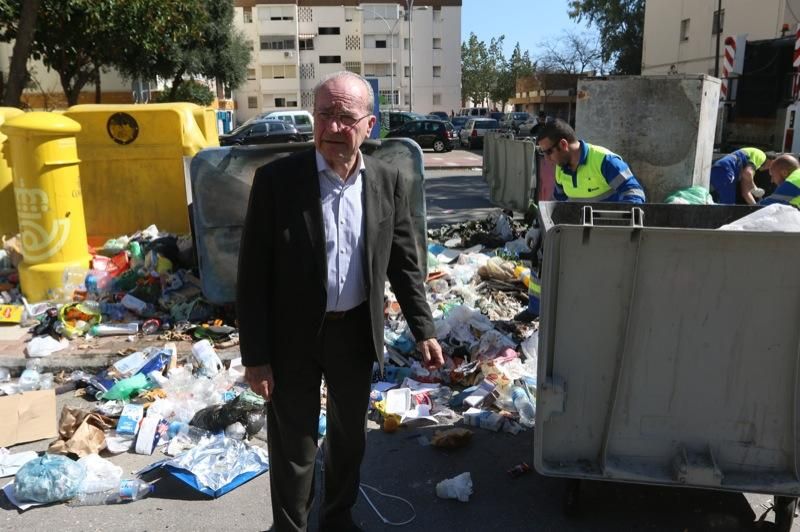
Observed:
{"x":277,"y":57}
{"x":277,"y":27}
{"x":270,"y":85}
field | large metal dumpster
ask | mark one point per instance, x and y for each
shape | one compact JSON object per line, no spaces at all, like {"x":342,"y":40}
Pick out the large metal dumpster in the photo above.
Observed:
{"x":665,"y":357}
{"x":221,"y":179}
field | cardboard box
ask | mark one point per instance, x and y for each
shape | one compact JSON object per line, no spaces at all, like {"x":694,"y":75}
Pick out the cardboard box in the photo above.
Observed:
{"x":27,"y":416}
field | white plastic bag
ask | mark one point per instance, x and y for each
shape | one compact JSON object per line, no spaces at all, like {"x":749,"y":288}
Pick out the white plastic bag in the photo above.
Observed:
{"x":101,"y":474}
{"x":459,"y":487}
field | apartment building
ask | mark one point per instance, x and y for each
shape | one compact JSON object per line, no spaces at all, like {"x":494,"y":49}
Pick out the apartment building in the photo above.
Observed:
{"x":680,"y":36}
{"x":412,"y":48}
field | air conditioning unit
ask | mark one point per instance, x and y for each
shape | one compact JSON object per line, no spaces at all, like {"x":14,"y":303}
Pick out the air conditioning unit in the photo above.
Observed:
{"x":288,"y":54}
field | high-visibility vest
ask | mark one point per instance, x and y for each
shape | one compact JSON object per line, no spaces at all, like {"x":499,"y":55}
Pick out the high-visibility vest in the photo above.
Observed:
{"x":591,"y":185}
{"x":793,"y":197}
{"x":755,"y":156}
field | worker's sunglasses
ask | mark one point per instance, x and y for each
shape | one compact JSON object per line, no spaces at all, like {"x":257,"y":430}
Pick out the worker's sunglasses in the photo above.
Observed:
{"x":548,"y":151}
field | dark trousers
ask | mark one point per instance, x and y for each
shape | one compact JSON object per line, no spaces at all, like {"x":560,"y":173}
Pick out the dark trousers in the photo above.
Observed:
{"x":343,"y":353}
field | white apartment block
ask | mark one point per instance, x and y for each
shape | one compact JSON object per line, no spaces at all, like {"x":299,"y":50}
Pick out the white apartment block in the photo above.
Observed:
{"x":297,"y":43}
{"x":680,"y":36}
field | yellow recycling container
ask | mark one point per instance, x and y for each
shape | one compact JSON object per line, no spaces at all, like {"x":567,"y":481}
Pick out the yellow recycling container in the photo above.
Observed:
{"x":133,"y":159}
{"x":8,"y":210}
{"x":43,"y":154}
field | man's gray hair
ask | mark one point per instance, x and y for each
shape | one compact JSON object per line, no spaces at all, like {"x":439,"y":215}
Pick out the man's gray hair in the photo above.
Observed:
{"x":346,"y":74}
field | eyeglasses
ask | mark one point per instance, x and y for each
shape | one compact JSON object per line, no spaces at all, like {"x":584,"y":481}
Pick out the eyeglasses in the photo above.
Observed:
{"x":343,"y":119}
{"x":549,"y":150}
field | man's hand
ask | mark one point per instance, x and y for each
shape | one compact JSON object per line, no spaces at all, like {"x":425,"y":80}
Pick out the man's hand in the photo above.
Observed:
{"x":261,"y":380}
{"x":431,"y":353}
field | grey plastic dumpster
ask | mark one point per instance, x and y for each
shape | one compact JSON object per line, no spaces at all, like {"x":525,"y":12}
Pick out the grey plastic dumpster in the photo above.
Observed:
{"x":221,"y":179}
{"x":661,"y":359}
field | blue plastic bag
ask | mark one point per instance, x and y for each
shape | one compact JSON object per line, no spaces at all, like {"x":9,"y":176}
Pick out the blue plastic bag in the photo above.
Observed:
{"x":49,"y":478}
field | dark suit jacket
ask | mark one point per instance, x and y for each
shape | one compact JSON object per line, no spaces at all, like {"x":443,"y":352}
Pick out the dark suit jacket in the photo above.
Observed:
{"x":282,"y":284}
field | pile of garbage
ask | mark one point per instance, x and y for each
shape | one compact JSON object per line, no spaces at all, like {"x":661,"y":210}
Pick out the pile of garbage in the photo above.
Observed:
{"x":137,"y":284}
{"x":200,"y":414}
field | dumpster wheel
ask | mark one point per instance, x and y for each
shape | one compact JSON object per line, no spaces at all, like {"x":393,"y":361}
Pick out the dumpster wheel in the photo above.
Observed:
{"x":572,"y":497}
{"x":784,"y":512}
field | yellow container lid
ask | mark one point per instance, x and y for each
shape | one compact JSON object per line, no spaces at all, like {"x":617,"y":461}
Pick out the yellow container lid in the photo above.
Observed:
{"x":44,"y":122}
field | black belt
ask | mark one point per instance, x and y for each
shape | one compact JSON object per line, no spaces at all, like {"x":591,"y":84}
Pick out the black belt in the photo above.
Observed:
{"x":342,"y":314}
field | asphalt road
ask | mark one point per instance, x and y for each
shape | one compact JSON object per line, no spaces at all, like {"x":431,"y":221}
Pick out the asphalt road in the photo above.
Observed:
{"x":454,"y":196}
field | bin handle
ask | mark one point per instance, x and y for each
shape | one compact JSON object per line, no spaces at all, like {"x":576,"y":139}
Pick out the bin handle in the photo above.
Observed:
{"x":591,"y":217}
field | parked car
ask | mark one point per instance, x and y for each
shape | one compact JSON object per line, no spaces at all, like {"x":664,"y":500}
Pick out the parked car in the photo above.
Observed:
{"x":497,"y":115}
{"x":473,"y":111}
{"x":262,"y":132}
{"x":436,"y":134}
{"x":434,"y":117}
{"x":512,"y":121}
{"x":441,"y":114}
{"x":474,"y":130}
{"x":458,"y":123}
{"x":394,"y":119}
{"x":302,"y":120}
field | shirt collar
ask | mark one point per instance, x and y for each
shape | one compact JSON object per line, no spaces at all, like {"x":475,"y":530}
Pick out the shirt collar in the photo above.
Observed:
{"x":584,"y":147}
{"x":322,"y":165}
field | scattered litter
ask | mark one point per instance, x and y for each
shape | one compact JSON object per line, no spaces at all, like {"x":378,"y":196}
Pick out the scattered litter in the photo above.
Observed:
{"x":459,"y":487}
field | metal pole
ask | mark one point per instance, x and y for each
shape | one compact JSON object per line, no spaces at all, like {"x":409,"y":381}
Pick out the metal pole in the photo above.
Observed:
{"x":719,"y":33}
{"x":409,"y":10}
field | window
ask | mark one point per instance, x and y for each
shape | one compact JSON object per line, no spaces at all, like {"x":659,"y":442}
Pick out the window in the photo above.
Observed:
{"x":437,"y":14}
{"x":280,"y":100}
{"x":329,"y":30}
{"x":353,"y":66}
{"x":718,"y":24}
{"x":330,"y":59}
{"x":259,"y":127}
{"x":252,"y":102}
{"x":437,"y":71}
{"x":251,"y":73}
{"x":302,"y":120}
{"x":377,"y":69}
{"x":406,"y":71}
{"x":278,"y":71}
{"x":306,"y":44}
{"x":437,"y":43}
{"x":376,"y":41}
{"x":375,"y":12}
{"x":276,"y":13}
{"x":405,"y":43}
{"x":248,"y":15}
{"x":685,"y":29}
{"x":388,"y":98}
{"x":380,"y":43}
{"x":277,"y":42}
{"x":437,"y":99}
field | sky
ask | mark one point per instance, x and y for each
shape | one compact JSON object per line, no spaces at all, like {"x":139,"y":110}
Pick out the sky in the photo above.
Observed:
{"x":528,"y":22}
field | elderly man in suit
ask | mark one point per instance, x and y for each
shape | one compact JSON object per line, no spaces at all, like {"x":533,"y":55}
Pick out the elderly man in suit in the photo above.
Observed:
{"x":324,"y":230}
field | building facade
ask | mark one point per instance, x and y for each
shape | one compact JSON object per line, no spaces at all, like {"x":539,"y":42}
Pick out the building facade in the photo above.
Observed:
{"x":416,"y":62}
{"x":680,"y":36}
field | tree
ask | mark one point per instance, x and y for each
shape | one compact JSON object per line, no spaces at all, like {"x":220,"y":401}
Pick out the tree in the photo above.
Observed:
{"x":189,"y":91}
{"x":621,"y":26}
{"x":23,"y":35}
{"x":476,"y":70}
{"x":518,"y":66}
{"x":572,"y":53}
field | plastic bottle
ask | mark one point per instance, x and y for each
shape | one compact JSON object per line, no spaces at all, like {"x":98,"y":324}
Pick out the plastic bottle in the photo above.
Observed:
{"x":128,"y":490}
{"x":29,"y":380}
{"x":188,"y":432}
{"x":207,"y":358}
{"x":527,"y":412}
{"x":114,"y":329}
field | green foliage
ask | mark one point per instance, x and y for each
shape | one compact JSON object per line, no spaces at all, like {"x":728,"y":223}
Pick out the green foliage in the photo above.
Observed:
{"x":477,"y":73}
{"x":189,"y":91}
{"x":621,"y":26}
{"x":140,"y":38}
{"x":486,"y":73}
{"x":508,"y":72}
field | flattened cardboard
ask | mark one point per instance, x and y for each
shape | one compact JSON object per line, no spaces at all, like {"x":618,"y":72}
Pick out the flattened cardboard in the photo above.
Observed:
{"x":27,"y":416}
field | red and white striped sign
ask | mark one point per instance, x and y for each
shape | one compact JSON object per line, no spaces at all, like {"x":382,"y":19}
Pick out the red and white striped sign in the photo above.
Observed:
{"x":727,"y":66}
{"x":796,"y":64}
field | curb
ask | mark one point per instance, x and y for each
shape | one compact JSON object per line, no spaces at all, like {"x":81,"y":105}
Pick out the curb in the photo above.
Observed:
{"x":86,"y":361}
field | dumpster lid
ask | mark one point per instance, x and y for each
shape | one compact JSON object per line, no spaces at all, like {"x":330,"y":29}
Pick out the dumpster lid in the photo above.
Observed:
{"x":43,"y":122}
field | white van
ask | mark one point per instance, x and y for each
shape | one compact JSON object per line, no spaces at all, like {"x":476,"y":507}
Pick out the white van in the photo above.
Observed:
{"x":302,"y":120}
{"x":474,"y":111}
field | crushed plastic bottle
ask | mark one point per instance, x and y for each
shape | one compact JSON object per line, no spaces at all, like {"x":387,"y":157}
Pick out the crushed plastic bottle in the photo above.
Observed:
{"x":526,"y":410}
{"x":129,"y":490}
{"x":29,"y":380}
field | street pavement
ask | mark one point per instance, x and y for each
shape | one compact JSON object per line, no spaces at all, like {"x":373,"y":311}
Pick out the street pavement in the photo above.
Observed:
{"x":400,"y":464}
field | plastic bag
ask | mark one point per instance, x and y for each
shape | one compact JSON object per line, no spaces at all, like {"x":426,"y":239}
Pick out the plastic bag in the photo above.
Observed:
{"x":101,"y":474}
{"x":247,"y":409}
{"x":459,"y":487}
{"x":126,"y":388}
{"x":691,"y":196}
{"x":216,"y":465}
{"x":78,"y":318}
{"x":775,"y":217}
{"x":49,"y":478}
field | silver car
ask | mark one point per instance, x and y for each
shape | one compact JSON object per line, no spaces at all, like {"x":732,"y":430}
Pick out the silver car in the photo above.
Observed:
{"x":474,"y":130}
